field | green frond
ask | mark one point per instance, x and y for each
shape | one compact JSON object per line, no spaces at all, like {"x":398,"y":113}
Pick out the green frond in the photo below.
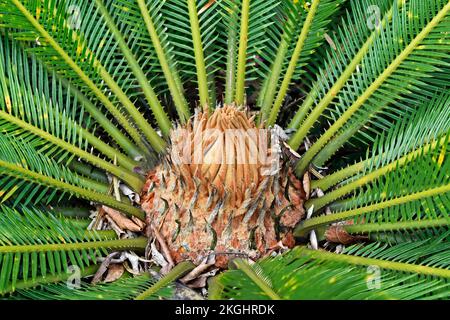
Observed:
{"x":197,"y":43}
{"x":16,"y":128}
{"x":430,"y":252}
{"x":30,"y":176}
{"x":256,"y":274}
{"x":312,"y":34}
{"x":389,"y":231}
{"x":350,"y":42}
{"x":105,"y":123}
{"x":17,"y":153}
{"x":162,"y":47}
{"x":408,"y":139}
{"x":275,"y":53}
{"x":50,"y":113}
{"x":428,"y":123}
{"x":414,"y":190}
{"x":367,"y":126}
{"x":411,"y":231}
{"x":177,"y":272}
{"x":158,"y":111}
{"x":403,"y":56}
{"x":247,"y":49}
{"x":242,"y":52}
{"x":34,"y":244}
{"x":192,"y":38}
{"x":126,"y":288}
{"x":308,"y":274}
{"x":25,"y":97}
{"x":230,"y":18}
{"x":46,"y":21}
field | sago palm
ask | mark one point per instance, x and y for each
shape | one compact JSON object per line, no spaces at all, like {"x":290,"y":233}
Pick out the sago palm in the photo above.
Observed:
{"x":276,"y":149}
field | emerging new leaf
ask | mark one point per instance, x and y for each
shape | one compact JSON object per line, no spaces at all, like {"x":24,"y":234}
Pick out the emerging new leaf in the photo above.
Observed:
{"x":225,"y":187}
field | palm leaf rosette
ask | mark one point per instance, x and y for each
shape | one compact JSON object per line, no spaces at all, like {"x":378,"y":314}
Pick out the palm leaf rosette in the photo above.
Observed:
{"x":260,"y":149}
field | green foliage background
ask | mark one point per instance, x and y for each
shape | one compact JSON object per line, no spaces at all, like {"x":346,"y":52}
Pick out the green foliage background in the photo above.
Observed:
{"x":92,"y":88}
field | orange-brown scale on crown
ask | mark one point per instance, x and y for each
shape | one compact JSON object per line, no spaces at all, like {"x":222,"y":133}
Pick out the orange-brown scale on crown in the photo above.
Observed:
{"x":212,"y":199}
